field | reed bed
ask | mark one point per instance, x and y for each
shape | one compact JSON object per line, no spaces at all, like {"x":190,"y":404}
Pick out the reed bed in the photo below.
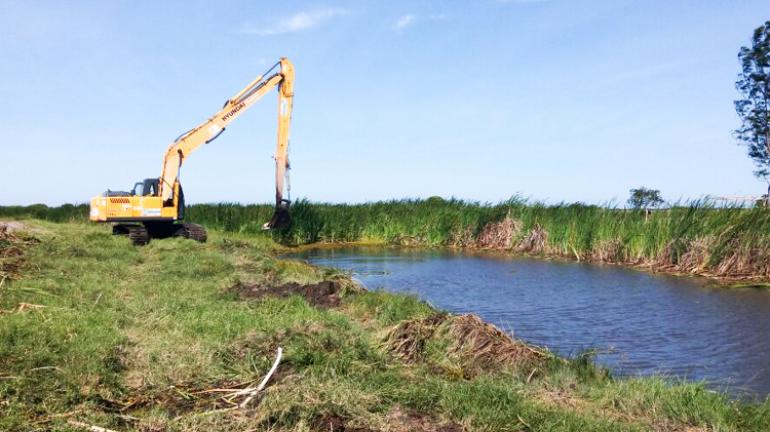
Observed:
{"x":692,"y":237}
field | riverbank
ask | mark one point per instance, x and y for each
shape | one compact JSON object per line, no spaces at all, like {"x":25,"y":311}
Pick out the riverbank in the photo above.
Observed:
{"x":729,"y":244}
{"x":95,"y":331}
{"x":637,"y":323}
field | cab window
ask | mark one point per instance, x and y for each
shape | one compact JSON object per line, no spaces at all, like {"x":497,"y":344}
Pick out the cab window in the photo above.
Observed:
{"x":138,"y":189}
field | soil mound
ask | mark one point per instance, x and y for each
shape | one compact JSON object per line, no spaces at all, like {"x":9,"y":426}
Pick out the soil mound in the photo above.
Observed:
{"x":476,"y":345}
{"x":324,"y":294}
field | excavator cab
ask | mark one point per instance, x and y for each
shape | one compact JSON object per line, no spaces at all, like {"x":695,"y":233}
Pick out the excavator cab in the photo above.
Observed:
{"x":148,"y":187}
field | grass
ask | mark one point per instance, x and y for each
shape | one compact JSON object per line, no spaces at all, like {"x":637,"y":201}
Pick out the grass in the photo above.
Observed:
{"x":95,"y":330}
{"x":694,"y":237}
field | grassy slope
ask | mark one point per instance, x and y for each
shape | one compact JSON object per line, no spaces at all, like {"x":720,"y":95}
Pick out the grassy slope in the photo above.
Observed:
{"x":126,"y":337}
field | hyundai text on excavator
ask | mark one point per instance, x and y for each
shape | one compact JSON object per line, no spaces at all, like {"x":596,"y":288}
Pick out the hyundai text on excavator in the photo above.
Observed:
{"x":155,"y":207}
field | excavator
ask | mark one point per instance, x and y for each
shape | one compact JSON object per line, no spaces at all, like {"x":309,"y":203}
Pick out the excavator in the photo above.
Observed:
{"x":155,"y":207}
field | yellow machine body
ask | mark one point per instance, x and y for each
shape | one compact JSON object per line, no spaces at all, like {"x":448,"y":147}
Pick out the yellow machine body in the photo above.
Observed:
{"x":132,"y":208}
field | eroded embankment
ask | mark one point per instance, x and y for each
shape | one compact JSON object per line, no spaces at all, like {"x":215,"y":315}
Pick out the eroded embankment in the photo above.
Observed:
{"x":461,"y":346}
{"x":478,"y":346}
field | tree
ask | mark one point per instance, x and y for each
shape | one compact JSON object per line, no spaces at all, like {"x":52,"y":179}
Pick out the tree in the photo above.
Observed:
{"x":754,"y":109}
{"x":643,"y":198}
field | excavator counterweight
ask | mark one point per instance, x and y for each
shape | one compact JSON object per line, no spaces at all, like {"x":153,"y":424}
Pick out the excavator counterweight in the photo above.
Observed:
{"x":154,"y":208}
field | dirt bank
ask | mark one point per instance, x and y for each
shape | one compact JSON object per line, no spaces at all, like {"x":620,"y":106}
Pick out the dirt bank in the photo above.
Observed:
{"x":324,"y":294}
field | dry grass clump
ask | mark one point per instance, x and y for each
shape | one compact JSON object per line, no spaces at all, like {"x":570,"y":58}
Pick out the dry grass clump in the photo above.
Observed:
{"x":478,"y":346}
{"x":408,"y":339}
{"x":697,"y":256}
{"x":701,"y":256}
{"x":463,"y":238}
{"x":12,"y":245}
{"x":535,"y":241}
{"x":499,"y":235}
{"x":608,"y":251}
{"x":745,"y":262}
{"x":484,"y":347}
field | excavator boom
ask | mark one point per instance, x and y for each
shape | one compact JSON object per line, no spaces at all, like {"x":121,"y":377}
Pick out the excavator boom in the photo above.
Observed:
{"x":209,"y":130}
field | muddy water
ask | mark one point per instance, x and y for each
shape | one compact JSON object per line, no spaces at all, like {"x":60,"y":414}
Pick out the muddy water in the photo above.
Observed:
{"x":642,"y":324}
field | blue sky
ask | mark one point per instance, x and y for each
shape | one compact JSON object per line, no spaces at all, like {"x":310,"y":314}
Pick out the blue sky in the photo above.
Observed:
{"x":557,"y":100}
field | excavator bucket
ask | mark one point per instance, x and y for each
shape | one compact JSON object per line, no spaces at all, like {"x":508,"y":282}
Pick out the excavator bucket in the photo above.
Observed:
{"x":281,"y":217}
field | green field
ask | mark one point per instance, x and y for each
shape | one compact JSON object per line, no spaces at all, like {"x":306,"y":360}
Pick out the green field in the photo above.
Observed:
{"x":98,"y":332}
{"x":691,"y":238}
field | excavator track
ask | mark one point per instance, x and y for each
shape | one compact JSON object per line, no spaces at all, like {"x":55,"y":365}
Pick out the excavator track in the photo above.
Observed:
{"x":139,"y":235}
{"x":194,"y":232}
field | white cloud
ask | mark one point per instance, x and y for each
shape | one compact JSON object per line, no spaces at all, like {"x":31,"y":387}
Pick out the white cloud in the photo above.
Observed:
{"x":405,"y":21}
{"x":300,"y":21}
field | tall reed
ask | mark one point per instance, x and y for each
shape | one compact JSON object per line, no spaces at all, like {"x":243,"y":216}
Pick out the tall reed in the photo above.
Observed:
{"x":692,"y":236}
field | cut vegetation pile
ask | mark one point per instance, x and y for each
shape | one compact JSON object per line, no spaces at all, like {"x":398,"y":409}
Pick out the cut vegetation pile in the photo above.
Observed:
{"x":96,"y":333}
{"x":13,"y":242}
{"x":478,"y":347}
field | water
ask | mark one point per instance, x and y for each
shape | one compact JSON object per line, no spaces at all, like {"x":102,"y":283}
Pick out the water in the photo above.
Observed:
{"x":641,"y":323}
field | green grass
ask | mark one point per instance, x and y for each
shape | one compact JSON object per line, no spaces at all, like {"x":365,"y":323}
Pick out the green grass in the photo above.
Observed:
{"x":695,"y":237}
{"x":98,"y":331}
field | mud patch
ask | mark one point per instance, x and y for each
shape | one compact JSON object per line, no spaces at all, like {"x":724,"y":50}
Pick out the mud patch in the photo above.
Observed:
{"x":324,"y":294}
{"x":478,"y":346}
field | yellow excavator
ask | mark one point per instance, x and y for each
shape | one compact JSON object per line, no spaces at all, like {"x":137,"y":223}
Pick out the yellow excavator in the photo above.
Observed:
{"x":155,"y":207}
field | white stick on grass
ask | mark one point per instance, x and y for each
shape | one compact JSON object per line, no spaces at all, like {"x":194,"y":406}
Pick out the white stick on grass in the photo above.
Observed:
{"x":253,"y":391}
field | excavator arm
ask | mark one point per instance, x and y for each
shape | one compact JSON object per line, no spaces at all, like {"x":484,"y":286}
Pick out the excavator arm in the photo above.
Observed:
{"x":206,"y":132}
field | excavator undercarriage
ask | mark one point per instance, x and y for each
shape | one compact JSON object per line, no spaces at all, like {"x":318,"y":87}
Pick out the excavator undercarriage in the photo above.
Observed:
{"x":140,"y":234}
